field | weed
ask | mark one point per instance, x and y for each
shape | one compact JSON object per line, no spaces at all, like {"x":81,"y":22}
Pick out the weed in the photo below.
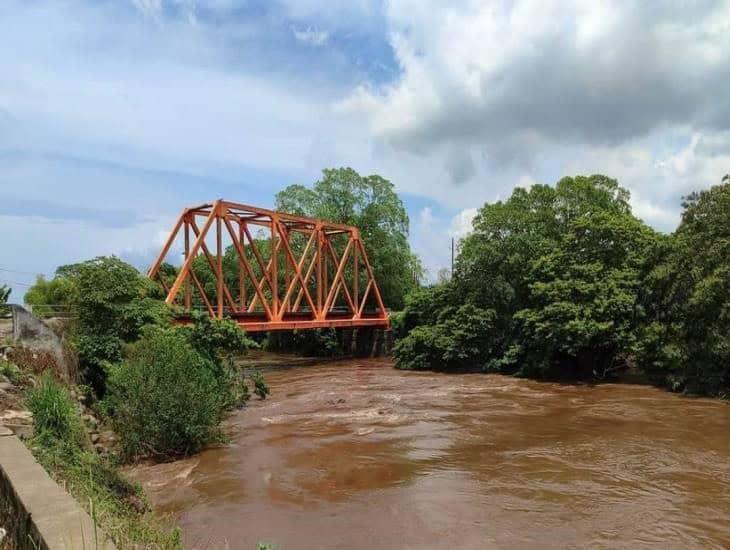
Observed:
{"x":260,"y":387}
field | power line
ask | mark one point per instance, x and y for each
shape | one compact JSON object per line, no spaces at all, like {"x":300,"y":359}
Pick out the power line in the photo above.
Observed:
{"x":21,"y":272}
{"x":16,"y":283}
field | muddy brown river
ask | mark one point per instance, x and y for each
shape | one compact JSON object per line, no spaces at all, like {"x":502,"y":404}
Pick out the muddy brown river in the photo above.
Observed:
{"x":356,"y":454}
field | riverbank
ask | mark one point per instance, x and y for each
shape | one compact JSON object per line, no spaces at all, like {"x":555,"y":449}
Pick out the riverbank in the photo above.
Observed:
{"x":86,"y":462}
{"x":79,"y":454}
{"x":354,"y":449}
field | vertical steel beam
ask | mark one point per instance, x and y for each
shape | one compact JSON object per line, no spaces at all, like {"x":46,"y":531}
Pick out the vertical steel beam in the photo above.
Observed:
{"x":318,"y":313}
{"x":369,"y":269}
{"x":325,"y":273}
{"x":275,"y":268}
{"x":219,"y":264}
{"x":249,"y":270}
{"x":212,"y":264}
{"x":355,"y":273}
{"x":188,"y":290}
{"x":241,"y":279}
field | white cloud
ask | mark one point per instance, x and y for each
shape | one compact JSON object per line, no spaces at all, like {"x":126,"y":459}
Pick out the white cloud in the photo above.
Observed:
{"x":311,"y":36}
{"x":461,"y":224}
{"x":491,"y":92}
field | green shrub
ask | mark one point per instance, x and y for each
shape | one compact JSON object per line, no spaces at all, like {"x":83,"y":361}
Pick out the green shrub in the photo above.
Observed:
{"x":45,"y":294}
{"x":461,"y":339}
{"x":110,"y":302}
{"x":116,"y":505}
{"x":165,"y":398}
{"x":12,"y":372}
{"x":54,"y":412}
{"x":217,"y":339}
{"x":260,"y":386}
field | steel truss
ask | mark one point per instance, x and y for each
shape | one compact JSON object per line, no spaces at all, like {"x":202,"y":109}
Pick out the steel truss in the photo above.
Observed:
{"x":315,"y":274}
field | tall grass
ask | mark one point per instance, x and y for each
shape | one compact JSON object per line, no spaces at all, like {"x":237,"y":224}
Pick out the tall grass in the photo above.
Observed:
{"x":60,"y":444}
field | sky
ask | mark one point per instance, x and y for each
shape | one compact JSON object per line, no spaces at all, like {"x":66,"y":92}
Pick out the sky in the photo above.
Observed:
{"x":115,"y":114}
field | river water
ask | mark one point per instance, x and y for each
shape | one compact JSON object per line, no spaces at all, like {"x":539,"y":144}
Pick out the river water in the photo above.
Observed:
{"x":356,"y":454}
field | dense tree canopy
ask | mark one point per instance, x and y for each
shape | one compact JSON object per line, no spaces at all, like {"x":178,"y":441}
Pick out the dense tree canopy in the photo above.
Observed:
{"x":371,"y":204}
{"x":687,"y":342}
{"x":565,"y":282}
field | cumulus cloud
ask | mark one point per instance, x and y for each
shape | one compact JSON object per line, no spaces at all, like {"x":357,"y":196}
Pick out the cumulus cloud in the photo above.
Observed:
{"x":461,"y":223}
{"x":588,"y":72}
{"x":493,"y":90}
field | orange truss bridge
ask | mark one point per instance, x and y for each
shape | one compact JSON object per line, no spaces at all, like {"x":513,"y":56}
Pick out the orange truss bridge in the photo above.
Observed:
{"x":269,"y":270}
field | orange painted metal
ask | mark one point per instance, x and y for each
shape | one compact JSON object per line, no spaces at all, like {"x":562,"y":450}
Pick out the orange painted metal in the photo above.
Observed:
{"x":301,"y":273}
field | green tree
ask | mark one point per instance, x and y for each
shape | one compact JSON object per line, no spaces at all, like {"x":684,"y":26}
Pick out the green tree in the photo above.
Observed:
{"x":47,"y":296}
{"x":4,"y":294}
{"x":515,"y":260}
{"x":584,"y":312}
{"x":371,"y":204}
{"x":687,"y":346}
{"x":110,"y":302}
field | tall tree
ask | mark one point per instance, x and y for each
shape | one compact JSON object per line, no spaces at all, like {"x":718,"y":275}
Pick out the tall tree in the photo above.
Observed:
{"x":689,"y":291}
{"x":543,"y":277}
{"x":371,"y":204}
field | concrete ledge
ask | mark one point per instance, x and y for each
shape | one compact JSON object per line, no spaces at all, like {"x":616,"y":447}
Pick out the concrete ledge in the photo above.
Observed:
{"x":43,"y":512}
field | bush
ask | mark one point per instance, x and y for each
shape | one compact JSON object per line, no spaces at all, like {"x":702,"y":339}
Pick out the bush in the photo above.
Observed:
{"x":54,"y":412}
{"x":461,"y":339}
{"x":165,"y":398}
{"x":217,"y":339}
{"x":111,"y":302}
{"x":114,"y":503}
{"x":44,"y":295}
{"x":260,"y":386}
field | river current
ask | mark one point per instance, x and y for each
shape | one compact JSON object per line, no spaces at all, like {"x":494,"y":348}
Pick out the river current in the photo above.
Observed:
{"x":355,"y":454}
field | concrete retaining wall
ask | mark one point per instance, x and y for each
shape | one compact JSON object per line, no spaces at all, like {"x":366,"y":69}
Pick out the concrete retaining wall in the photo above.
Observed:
{"x":33,"y":335}
{"x":34,"y":510}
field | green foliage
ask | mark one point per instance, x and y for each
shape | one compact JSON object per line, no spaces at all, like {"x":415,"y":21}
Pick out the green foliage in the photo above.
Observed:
{"x":54,"y":412}
{"x":166,"y":398}
{"x":371,"y":204}
{"x":687,"y":346}
{"x":459,"y":339}
{"x":111,"y":303}
{"x":4,"y":294}
{"x":218,"y":339}
{"x":571,"y":285}
{"x":46,"y":296}
{"x":583,"y":316}
{"x":514,"y":248}
{"x":260,"y":387}
{"x":61,"y":447}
